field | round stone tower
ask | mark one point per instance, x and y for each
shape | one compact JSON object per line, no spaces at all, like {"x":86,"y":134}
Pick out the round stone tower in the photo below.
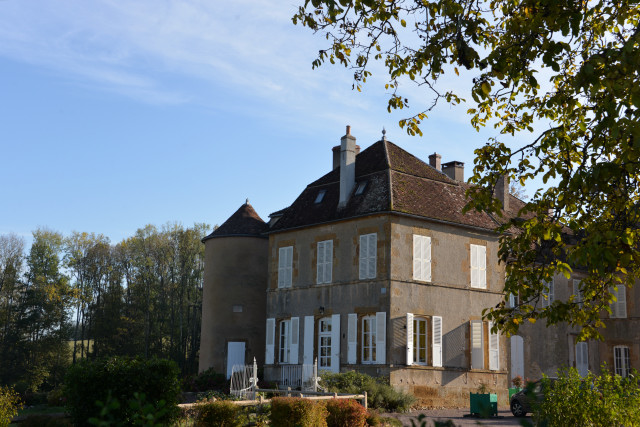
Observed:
{"x":234,"y":294}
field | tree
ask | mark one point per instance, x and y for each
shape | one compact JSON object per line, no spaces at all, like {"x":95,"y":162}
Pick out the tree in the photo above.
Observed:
{"x":568,"y":66}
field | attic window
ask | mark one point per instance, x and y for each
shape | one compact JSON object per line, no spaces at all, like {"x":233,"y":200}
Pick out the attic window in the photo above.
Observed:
{"x":320,"y":196}
{"x":361,"y":186}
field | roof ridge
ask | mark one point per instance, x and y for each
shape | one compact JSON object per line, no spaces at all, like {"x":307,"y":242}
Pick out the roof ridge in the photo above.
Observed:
{"x":450,"y":182}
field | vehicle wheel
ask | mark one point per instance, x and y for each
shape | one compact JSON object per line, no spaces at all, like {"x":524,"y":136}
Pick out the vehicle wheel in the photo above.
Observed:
{"x":517,"y":409}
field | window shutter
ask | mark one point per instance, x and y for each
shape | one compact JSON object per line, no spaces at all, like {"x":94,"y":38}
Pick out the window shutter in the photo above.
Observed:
{"x":281,"y":266}
{"x":372,"y":252}
{"x":494,"y":350}
{"x":289,"y":266}
{"x":381,"y":337}
{"x":294,"y":340}
{"x":549,"y":292}
{"x":482,"y":267}
{"x":417,"y":258}
{"x":328,"y":259}
{"x":477,"y":353}
{"x":307,"y":357}
{"x":335,"y":343}
{"x":474,"y":266}
{"x":352,"y":338}
{"x":426,"y":261}
{"x":410,"y":335}
{"x":320,"y":263}
{"x":437,"y":340}
{"x":270,"y":350}
{"x":512,"y":301}
{"x":363,"y":256}
{"x":582,"y":358}
{"x":576,"y":292}
{"x":621,"y":304}
{"x":552,"y":291}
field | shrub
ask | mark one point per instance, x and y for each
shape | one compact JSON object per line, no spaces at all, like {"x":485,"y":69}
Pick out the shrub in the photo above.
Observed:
{"x":56,"y":397}
{"x":9,"y":405}
{"x":45,"y":421}
{"x":126,"y":387}
{"x":346,"y":413}
{"x":597,"y":400}
{"x":206,"y":381}
{"x":221,"y":413}
{"x":297,"y":412}
{"x":380,"y":395}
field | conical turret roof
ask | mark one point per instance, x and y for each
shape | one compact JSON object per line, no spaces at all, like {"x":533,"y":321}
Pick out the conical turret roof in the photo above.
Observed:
{"x":244,"y":222}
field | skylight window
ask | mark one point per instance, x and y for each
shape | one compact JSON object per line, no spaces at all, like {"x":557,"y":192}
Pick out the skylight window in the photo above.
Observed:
{"x":320,"y":196}
{"x":360,"y":189}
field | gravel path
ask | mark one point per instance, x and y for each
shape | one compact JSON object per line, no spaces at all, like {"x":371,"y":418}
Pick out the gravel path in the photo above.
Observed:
{"x":505,"y":418}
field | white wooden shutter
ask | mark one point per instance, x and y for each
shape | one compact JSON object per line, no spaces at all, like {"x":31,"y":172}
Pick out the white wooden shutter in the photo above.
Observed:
{"x":621,"y":304}
{"x":270,"y":348}
{"x":320,"y":264}
{"x":335,"y":343}
{"x":295,"y":339}
{"x":289,"y":266}
{"x":307,"y":357}
{"x":381,"y":337}
{"x":417,"y":258}
{"x":352,"y":338}
{"x":426,"y":258}
{"x":372,"y":252}
{"x":328,"y":261}
{"x":494,"y":350}
{"x":582,"y":358}
{"x":437,"y":340}
{"x":517,"y":356}
{"x":576,"y":292}
{"x":482,"y":266}
{"x":477,"y":352}
{"x":363,"y":256}
{"x":410,"y":335}
{"x":474,"y":266}
{"x":549,"y":291}
{"x":282,"y":259}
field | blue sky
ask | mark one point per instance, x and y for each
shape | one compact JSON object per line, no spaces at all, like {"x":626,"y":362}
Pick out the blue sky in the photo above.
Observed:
{"x":117,"y":114}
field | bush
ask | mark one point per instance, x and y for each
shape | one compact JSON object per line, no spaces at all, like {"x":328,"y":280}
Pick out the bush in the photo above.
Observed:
{"x":45,"y":421}
{"x":126,"y":387}
{"x":206,"y":381}
{"x":297,"y":412}
{"x":380,"y":395}
{"x":597,"y":400}
{"x":56,"y":397}
{"x":221,"y":413}
{"x":346,"y":413}
{"x":9,"y":405}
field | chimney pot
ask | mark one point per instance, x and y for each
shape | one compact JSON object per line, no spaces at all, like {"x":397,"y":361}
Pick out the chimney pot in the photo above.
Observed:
{"x":347,"y":166}
{"x":454,"y":170}
{"x":434,"y":161}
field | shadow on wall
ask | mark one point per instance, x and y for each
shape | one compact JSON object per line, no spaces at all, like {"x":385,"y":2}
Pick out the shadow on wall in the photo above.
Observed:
{"x":454,"y":352}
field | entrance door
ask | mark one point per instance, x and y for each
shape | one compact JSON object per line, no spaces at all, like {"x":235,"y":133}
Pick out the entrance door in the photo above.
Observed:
{"x":235,"y":355}
{"x":517,"y":357}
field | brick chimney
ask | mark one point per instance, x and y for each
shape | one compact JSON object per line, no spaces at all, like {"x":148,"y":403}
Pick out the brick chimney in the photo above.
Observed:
{"x":454,"y":170}
{"x":347,"y":166}
{"x":336,"y":155}
{"x":502,"y":191}
{"x":434,"y":161}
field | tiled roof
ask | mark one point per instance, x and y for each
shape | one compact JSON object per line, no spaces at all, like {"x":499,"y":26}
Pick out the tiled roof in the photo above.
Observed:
{"x":244,"y":222}
{"x":397,"y":181}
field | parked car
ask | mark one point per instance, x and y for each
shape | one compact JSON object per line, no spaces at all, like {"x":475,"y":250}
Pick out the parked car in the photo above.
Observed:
{"x":522,"y":402}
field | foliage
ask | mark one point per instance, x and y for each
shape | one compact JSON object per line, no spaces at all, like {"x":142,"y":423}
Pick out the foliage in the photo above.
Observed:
{"x":140,"y":412}
{"x":206,"y":381}
{"x":297,"y":412}
{"x":563,"y":73}
{"x":596,"y":400}
{"x":220,"y":413}
{"x":517,"y":381}
{"x":9,"y":405}
{"x":56,"y":397}
{"x":127,"y":387}
{"x":346,"y":413}
{"x":483,"y":388}
{"x":380,"y":394}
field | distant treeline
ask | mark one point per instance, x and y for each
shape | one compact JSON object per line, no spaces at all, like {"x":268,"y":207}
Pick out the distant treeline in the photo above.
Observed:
{"x":142,"y":296}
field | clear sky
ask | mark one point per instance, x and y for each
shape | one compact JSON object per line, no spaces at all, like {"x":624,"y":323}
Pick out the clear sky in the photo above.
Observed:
{"x":116,"y":114}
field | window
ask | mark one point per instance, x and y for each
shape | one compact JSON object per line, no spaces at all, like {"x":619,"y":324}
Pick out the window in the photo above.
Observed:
{"x":283,"y":344}
{"x":320,"y":196}
{"x":421,"y":258}
{"x":482,"y":339}
{"x":577,"y":292}
{"x":324,"y":343}
{"x":325,"y":261}
{"x":582,"y":358}
{"x":418,"y":340}
{"x":514,"y":300}
{"x":619,"y":306}
{"x":368,"y":251}
{"x":548,"y":293}
{"x":621,"y":360}
{"x":285,"y":263}
{"x":478,"y":266}
{"x":360,"y":189}
{"x":369,"y":339}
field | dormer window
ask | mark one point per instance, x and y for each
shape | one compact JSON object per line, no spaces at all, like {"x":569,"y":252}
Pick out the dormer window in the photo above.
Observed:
{"x":320,"y":196}
{"x":360,"y":188}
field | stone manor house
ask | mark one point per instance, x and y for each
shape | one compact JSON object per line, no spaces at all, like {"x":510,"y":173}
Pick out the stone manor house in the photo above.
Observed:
{"x":375,"y":268}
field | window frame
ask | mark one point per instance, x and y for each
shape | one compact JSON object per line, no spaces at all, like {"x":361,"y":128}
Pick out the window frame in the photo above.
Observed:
{"x":421,"y":258}
{"x":324,"y":262}
{"x":284,"y":342}
{"x":285,"y":267}
{"x":324,"y":334}
{"x":480,"y":269}
{"x":621,"y":362}
{"x":367,"y":261}
{"x":549,"y":289}
{"x":416,"y":348}
{"x":369,"y":340}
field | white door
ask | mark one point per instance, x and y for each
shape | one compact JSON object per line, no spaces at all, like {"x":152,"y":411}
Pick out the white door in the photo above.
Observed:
{"x":235,"y":355}
{"x":517,"y":357}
